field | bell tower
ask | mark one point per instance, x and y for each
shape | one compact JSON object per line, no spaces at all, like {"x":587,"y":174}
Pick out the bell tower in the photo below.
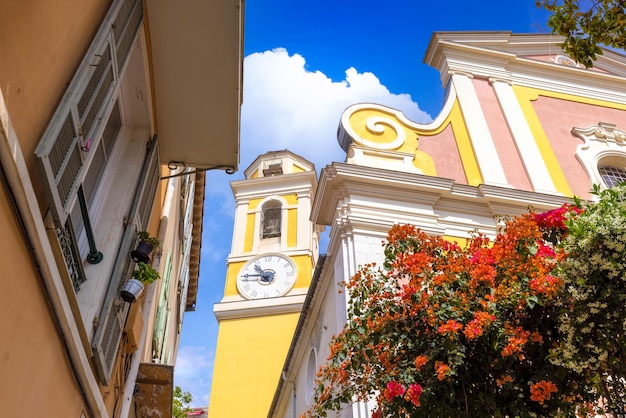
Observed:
{"x":269,"y":269}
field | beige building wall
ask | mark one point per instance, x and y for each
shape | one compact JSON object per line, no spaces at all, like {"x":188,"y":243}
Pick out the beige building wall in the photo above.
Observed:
{"x":53,"y":348}
{"x":33,"y":362}
{"x":41,"y":45}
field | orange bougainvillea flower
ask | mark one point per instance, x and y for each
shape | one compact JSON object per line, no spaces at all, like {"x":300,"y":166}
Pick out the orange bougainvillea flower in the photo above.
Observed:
{"x":450,"y":327}
{"x":542,"y":391}
{"x":441,"y":369}
{"x":420,"y":361}
{"x":505,"y":379}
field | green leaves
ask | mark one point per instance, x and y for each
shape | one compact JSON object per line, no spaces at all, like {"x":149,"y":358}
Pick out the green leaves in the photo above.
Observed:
{"x":603,"y":22}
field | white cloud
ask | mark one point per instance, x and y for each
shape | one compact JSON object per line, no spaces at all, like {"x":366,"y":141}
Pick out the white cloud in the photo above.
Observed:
{"x":286,"y":106}
{"x":193,"y":372}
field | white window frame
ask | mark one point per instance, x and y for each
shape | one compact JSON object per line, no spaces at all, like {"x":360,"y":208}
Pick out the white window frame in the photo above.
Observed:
{"x":603,"y":145}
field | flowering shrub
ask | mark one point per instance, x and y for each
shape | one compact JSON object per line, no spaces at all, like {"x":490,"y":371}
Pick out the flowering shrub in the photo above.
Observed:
{"x":592,"y":325}
{"x":531,"y":324}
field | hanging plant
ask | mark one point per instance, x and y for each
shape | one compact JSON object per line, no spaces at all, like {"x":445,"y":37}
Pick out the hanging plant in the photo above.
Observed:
{"x":133,"y":288}
{"x":145,"y":247}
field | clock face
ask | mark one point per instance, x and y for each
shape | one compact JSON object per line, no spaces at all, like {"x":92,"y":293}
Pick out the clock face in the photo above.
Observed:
{"x":267,"y":276}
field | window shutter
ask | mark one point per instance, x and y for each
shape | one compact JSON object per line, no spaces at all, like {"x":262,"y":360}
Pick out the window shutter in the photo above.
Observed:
{"x":76,"y":126}
{"x":114,"y":311}
{"x":162,"y":309}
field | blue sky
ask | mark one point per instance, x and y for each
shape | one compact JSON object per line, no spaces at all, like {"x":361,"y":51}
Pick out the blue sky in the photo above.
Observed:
{"x":305,"y":62}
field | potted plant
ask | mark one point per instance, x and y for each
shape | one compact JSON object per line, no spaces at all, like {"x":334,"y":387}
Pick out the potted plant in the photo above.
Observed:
{"x":146,"y":245}
{"x":142,"y":275}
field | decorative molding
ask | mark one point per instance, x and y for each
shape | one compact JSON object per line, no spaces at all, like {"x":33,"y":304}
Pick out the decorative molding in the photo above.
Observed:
{"x":240,"y":308}
{"x":566,"y":61}
{"x":377,"y":125}
{"x":459,"y":72}
{"x":493,"y":80}
{"x":603,"y":144}
{"x":602,"y":132}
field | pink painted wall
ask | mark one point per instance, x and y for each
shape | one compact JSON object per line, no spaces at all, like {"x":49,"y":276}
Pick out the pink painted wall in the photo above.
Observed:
{"x":444,"y":151}
{"x":558,"y":117}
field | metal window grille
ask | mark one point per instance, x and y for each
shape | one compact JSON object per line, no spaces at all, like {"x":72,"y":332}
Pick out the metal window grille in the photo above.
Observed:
{"x":612,"y":175}
{"x":73,"y":262}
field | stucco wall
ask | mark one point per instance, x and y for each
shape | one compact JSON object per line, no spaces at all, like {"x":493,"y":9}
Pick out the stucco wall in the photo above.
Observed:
{"x":36,"y":379}
{"x":41,"y":46}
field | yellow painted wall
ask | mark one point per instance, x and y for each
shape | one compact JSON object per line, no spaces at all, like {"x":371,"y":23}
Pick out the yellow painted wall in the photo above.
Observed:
{"x":292,"y":228}
{"x":248,"y":362}
{"x":35,"y":376}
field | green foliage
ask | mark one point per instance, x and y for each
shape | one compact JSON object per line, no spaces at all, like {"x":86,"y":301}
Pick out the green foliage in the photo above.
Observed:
{"x":145,"y":236}
{"x":532,"y":324}
{"x":592,"y":325}
{"x":180,"y":403}
{"x":145,"y":273}
{"x":586,"y":25}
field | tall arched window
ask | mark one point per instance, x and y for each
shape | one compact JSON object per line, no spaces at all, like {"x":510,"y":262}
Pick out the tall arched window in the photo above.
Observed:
{"x":271,"y":219}
{"x":612,"y":175}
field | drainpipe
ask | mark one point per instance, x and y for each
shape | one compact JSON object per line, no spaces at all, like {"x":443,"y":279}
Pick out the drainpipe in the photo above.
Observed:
{"x":129,"y":387}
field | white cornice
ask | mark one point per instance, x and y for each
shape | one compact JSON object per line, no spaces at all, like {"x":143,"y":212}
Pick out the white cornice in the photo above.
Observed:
{"x":241,"y":308}
{"x":354,"y":197}
{"x":286,"y":183}
{"x":501,"y":55}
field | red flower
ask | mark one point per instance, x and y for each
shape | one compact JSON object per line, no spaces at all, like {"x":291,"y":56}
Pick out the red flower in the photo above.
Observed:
{"x":414,"y":393}
{"x":393,"y":390}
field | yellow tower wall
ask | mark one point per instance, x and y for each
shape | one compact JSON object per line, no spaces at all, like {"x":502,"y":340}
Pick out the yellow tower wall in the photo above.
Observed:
{"x":258,"y":344}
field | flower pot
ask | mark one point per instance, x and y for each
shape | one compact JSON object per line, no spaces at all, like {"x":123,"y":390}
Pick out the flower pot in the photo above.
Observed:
{"x":142,"y":252}
{"x":131,"y":290}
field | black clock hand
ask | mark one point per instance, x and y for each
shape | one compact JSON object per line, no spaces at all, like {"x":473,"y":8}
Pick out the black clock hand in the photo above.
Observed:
{"x":245,"y":277}
{"x":267,"y":276}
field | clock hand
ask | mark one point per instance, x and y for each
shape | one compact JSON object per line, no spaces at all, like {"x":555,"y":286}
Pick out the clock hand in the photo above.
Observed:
{"x":267,"y":276}
{"x":258,"y":268}
{"x":245,"y":277}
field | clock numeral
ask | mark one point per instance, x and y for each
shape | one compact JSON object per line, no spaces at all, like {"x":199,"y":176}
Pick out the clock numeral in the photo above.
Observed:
{"x":265,"y":294}
{"x":253,"y":293}
{"x":268,"y":258}
{"x":287,"y":282}
{"x":245,"y":287}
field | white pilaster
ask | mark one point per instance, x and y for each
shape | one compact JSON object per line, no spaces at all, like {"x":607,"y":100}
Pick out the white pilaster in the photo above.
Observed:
{"x":526,"y":145}
{"x":482,"y":142}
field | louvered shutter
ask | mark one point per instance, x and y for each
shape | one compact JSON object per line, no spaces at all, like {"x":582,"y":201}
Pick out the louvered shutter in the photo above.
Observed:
{"x":77,"y":124}
{"x":114,"y":311}
{"x":162,"y":310}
